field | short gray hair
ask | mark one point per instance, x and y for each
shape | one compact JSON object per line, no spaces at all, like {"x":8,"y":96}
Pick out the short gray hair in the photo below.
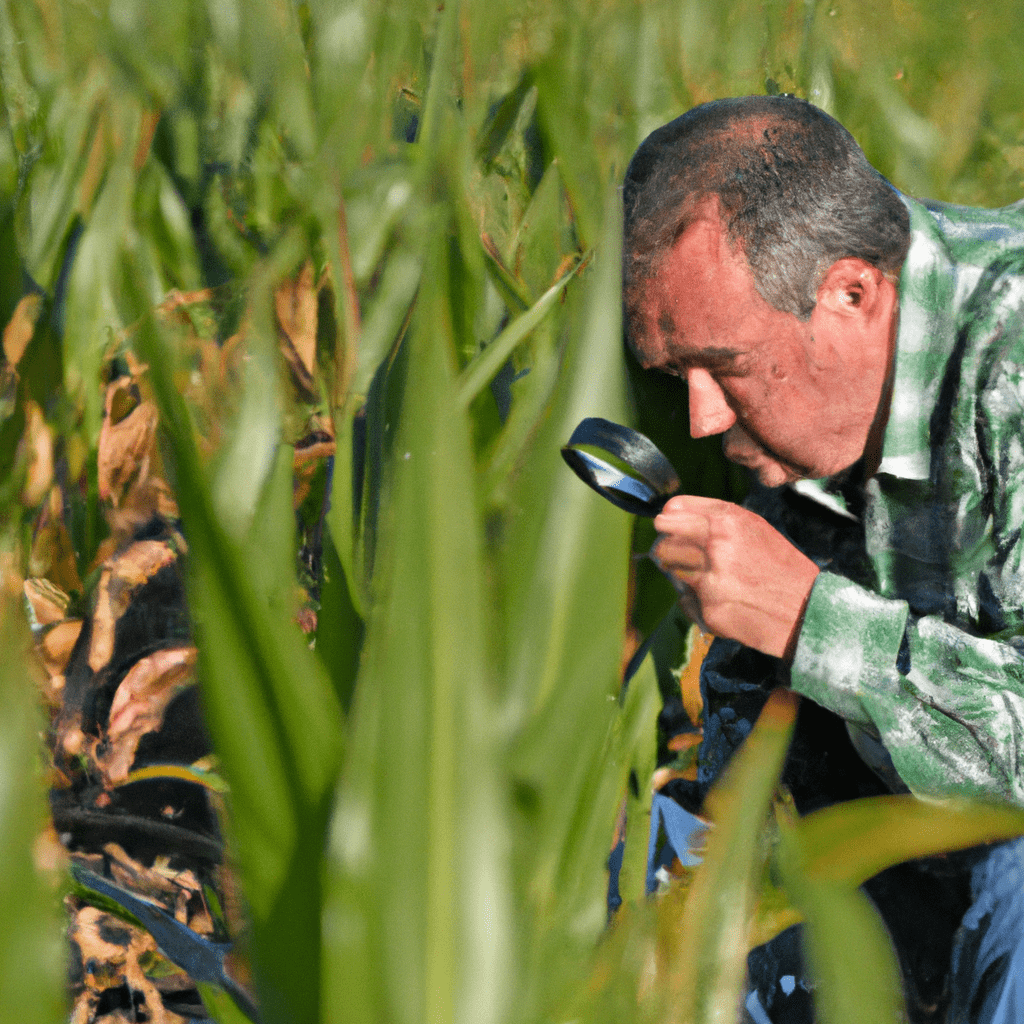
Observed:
{"x":795,"y":194}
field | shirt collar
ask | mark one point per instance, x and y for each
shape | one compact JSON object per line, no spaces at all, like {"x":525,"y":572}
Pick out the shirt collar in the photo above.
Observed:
{"x":924,"y":342}
{"x":925,"y":336}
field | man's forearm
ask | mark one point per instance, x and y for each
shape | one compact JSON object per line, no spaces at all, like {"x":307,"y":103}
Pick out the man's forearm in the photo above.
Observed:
{"x":948,"y":706}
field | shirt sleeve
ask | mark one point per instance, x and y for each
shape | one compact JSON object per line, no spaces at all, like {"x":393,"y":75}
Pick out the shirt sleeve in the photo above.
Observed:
{"x":945,"y":692}
{"x":948,"y":706}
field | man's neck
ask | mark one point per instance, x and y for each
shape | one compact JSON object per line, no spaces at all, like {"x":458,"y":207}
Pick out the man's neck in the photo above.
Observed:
{"x":872,"y":457}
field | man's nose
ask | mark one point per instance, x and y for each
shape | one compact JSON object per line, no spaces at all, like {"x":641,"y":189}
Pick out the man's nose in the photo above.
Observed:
{"x":710,"y":413}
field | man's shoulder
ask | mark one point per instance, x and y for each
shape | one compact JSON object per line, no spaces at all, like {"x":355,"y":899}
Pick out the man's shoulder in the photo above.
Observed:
{"x":972,"y":236}
{"x":963,"y":277}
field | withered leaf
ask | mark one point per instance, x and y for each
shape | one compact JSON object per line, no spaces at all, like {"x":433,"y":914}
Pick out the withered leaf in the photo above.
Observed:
{"x":56,"y":644}
{"x":318,"y":443}
{"x":18,"y":332}
{"x":689,"y":677}
{"x":139,"y":705}
{"x":295,"y":302}
{"x":38,"y":439}
{"x":122,"y":575}
{"x":131,"y":874}
{"x":47,"y":603}
{"x":112,"y":954}
{"x":126,"y":442}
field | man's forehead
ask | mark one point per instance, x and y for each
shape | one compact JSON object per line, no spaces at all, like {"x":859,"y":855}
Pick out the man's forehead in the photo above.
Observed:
{"x":669,"y":348}
{"x":672,"y":338}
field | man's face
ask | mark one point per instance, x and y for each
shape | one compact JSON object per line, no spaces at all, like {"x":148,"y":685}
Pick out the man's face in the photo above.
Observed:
{"x":792,"y":398}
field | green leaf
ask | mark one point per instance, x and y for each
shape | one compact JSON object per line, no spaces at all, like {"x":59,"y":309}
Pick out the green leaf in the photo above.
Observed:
{"x":637,"y":749}
{"x":417,"y":921}
{"x":563,"y":560}
{"x":849,"y":843}
{"x":161,"y":209}
{"x":31,"y":964}
{"x":709,"y":963}
{"x":220,"y":1006}
{"x":511,"y":290}
{"x":92,"y":315}
{"x":546,"y":236}
{"x":478,"y":374}
{"x":502,"y":119}
{"x":431,"y":138}
{"x":563,"y":113}
{"x":850,"y":957}
{"x":273,"y":713}
{"x":340,"y":630}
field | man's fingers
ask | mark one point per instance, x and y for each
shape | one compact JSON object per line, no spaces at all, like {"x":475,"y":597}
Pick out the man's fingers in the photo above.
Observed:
{"x":694,"y":505}
{"x":679,"y":520}
{"x":673,"y":554}
{"x":690,"y":605}
{"x":683,"y":538}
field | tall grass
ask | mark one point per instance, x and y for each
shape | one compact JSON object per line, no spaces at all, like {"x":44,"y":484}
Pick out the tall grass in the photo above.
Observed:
{"x":421,"y":806}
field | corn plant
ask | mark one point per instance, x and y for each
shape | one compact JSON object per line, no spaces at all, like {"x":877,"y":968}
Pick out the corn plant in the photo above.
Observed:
{"x":403,"y":219}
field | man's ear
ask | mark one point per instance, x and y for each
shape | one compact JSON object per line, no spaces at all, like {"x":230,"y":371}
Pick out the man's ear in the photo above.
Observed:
{"x":852,"y":287}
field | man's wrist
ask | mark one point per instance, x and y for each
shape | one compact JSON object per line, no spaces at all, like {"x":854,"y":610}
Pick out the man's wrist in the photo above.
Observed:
{"x":849,"y":641}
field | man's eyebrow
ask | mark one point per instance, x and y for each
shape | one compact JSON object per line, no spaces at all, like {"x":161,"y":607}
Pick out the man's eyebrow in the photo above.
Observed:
{"x":711,"y":358}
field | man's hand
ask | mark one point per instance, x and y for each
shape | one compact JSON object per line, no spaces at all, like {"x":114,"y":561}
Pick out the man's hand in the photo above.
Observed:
{"x":737,"y":576}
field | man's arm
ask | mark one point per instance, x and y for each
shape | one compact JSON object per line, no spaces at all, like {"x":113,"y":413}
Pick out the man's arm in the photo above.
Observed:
{"x":947,"y":705}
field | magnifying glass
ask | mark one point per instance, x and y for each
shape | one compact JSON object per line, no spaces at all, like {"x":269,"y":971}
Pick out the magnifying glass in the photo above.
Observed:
{"x":639,"y":480}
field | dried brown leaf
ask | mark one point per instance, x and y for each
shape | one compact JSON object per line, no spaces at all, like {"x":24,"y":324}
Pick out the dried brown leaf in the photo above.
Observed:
{"x":175,"y":299}
{"x":127,"y":441}
{"x":121,"y":576}
{"x":56,"y":644}
{"x":317,"y":443}
{"x":131,"y":874}
{"x":18,"y":332}
{"x":145,"y":501}
{"x":112,"y":953}
{"x":138,"y":708}
{"x":689,"y":679}
{"x":38,"y":439}
{"x":46,"y":601}
{"x":295,"y":302}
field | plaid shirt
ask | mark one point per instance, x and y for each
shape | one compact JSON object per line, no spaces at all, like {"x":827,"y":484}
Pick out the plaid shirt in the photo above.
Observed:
{"x":922,"y":648}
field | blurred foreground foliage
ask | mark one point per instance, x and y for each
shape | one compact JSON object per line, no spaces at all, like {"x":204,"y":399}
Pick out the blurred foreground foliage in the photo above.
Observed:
{"x":392,"y":230}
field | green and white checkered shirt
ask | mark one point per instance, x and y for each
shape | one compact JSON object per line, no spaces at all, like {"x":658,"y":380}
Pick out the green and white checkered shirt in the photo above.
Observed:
{"x":929,"y":657}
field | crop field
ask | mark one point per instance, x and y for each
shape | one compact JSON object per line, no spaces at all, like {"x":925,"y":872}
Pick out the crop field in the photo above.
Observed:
{"x":308,"y":637}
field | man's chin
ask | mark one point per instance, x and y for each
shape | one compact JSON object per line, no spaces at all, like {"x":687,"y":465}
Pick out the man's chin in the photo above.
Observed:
{"x":768,"y":471}
{"x":772,"y":472}
{"x":775,"y":475}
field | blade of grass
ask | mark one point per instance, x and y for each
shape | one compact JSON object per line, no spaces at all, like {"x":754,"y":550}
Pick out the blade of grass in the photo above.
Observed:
{"x":563,"y":562}
{"x":707,"y":965}
{"x":478,"y":374}
{"x":31,"y":975}
{"x":417,"y":912}
{"x":273,"y":714}
{"x":638,"y":750}
{"x":851,"y":842}
{"x":850,"y":957}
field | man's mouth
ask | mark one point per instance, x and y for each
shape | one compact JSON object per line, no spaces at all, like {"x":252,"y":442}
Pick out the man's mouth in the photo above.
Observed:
{"x":740,"y":447}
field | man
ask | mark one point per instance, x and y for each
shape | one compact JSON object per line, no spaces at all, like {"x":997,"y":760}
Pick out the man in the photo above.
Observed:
{"x":863,"y":354}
